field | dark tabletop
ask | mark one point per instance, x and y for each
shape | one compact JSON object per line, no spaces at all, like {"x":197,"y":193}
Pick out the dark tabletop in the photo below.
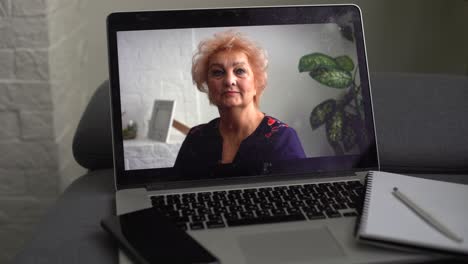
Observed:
{"x":71,"y":233}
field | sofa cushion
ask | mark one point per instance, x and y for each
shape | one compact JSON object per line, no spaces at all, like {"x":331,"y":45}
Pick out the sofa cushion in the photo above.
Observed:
{"x":421,"y":121}
{"x":92,"y":144}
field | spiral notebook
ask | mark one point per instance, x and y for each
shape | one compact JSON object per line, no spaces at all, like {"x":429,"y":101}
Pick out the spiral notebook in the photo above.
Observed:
{"x":387,"y":221}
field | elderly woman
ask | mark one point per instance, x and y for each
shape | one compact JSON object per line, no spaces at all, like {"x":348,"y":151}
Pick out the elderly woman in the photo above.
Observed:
{"x":231,"y":69}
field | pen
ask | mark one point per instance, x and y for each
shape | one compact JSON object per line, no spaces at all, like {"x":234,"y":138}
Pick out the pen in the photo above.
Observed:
{"x":425,"y":216}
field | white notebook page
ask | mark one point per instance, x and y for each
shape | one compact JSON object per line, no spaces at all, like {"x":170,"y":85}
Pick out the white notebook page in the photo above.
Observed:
{"x":389,"y":219}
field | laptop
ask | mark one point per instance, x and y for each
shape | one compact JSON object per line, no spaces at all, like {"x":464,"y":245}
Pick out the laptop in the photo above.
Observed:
{"x":299,"y":209}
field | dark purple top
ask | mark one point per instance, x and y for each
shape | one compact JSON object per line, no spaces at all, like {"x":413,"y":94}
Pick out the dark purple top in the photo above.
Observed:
{"x":272,"y":140}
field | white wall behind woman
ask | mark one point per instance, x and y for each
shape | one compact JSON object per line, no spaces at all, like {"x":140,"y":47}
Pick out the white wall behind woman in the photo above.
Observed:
{"x":156,"y":65}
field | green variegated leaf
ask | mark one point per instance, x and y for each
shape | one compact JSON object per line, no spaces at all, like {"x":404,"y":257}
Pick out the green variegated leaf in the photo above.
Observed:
{"x":332,"y":77}
{"x":345,"y":63}
{"x":322,"y":113}
{"x":349,"y":131}
{"x":314,"y":61}
{"x":334,"y":128}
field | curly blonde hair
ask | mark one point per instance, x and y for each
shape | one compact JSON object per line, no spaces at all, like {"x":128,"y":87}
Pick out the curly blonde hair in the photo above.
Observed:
{"x":230,"y":41}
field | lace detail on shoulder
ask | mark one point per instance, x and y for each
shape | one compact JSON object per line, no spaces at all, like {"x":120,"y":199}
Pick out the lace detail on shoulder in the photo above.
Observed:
{"x":275,"y":125}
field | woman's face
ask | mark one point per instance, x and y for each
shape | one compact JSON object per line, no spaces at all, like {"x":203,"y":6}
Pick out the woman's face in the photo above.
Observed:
{"x":230,"y":80}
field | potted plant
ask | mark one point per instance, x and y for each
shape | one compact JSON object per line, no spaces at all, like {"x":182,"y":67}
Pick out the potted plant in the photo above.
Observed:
{"x":342,"y":117}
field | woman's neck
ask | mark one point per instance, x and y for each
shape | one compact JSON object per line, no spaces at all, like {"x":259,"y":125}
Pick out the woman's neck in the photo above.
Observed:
{"x":237,"y":124}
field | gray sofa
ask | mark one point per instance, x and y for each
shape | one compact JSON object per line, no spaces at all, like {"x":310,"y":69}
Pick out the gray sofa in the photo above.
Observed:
{"x":421,"y":125}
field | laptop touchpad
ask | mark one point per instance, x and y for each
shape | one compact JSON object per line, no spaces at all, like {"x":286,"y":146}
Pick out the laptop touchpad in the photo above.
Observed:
{"x":296,"y":246}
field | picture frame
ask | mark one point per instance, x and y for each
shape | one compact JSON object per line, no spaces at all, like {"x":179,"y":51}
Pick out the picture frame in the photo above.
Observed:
{"x":161,"y":120}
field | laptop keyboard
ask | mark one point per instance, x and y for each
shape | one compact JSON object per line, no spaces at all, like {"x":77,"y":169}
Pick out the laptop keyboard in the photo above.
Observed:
{"x":239,"y":207}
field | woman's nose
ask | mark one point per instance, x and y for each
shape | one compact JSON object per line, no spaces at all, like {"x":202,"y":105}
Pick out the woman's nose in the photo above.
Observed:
{"x":230,"y":79}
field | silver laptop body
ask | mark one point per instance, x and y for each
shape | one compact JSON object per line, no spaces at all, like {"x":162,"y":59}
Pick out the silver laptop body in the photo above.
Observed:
{"x":150,"y":56}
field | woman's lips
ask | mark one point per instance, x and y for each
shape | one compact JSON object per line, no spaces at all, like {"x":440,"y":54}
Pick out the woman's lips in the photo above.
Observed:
{"x":230,"y":93}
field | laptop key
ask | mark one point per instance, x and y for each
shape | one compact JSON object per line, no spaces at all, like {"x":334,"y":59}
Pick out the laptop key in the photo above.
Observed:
{"x":197,"y":226}
{"x":278,"y":212}
{"x":297,"y":203}
{"x":198,"y":218}
{"x":179,"y":219}
{"x":173,"y":196}
{"x":315,"y":215}
{"x":231,"y":216}
{"x":267,"y":206}
{"x":332,"y":213}
{"x":219,"y":210}
{"x":187,"y":212}
{"x":262,"y":213}
{"x":293,"y":211}
{"x":215,"y":223}
{"x":235,"y":208}
{"x":247,"y":214}
{"x":250,"y":207}
{"x":281,"y":205}
{"x":203,"y":210}
{"x":348,"y":214}
{"x":214,"y":217}
{"x":182,"y":226}
{"x":265,"y":220}
{"x":165,"y":208}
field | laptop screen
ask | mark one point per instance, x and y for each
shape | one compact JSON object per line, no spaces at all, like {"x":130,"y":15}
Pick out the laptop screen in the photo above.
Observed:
{"x":240,"y":92}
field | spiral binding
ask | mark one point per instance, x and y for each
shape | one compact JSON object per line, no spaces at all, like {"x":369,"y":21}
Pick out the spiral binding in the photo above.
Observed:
{"x":365,"y":206}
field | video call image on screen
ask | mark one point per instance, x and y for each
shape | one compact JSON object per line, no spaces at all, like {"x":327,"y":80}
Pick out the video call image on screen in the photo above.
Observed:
{"x":313,"y":86}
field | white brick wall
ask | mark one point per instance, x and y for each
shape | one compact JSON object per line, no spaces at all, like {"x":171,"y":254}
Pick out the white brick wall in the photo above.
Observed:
{"x":5,"y":31}
{"x":68,"y":60}
{"x":10,"y":126}
{"x":29,"y":178}
{"x":25,"y":96}
{"x":147,"y":74}
{"x":23,"y":155}
{"x":36,"y":125}
{"x":4,"y":8}
{"x":29,"y":7}
{"x":29,"y":32}
{"x":146,"y":154}
{"x":12,"y":182}
{"x":7,"y":59}
{"x":32,"y":65}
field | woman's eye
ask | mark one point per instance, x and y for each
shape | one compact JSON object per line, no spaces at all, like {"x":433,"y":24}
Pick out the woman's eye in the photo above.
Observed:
{"x":217,"y":73}
{"x":239,"y":71}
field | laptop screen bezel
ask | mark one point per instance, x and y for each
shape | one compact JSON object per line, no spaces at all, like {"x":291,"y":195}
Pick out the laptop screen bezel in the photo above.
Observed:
{"x":228,"y":17}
